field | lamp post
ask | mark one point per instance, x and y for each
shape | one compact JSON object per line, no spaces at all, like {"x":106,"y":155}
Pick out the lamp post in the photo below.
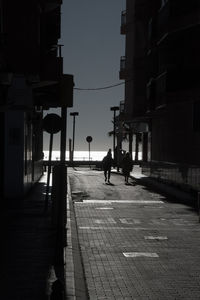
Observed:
{"x":73,"y":114}
{"x":114,"y":109}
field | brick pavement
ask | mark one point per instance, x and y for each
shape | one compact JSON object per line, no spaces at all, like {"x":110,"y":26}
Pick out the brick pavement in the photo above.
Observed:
{"x":141,"y":249}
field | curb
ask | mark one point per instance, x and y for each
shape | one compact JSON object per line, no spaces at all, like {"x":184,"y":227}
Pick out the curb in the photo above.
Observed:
{"x":74,"y":272}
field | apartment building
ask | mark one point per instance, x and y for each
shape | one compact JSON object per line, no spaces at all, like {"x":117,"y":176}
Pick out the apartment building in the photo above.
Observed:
{"x":31,"y":79}
{"x":161,"y":70}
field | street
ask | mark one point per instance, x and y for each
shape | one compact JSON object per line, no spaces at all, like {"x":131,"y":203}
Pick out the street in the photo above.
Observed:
{"x":135,"y":243}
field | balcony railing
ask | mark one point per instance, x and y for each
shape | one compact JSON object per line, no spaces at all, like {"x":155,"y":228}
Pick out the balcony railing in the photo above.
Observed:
{"x":176,"y":16}
{"x":52,"y":4}
{"x":161,"y":89}
{"x":150,"y":94}
{"x":121,"y":106}
{"x":52,"y":68}
{"x":122,"y":73}
{"x":123,"y":22}
{"x":163,"y":21}
{"x":152,"y":32}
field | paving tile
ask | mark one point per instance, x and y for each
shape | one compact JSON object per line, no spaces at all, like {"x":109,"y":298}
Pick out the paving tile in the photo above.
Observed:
{"x":105,"y":234}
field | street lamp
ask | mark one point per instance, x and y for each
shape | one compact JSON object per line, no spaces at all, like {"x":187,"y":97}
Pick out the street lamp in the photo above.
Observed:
{"x":74,"y":114}
{"x":114,"y":109}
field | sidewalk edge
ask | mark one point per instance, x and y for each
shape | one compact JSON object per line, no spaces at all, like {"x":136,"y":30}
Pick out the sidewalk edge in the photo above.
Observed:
{"x":74,"y":273}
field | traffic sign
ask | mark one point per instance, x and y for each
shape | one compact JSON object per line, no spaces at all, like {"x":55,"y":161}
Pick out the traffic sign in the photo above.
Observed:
{"x":89,"y":139}
{"x":52,"y":123}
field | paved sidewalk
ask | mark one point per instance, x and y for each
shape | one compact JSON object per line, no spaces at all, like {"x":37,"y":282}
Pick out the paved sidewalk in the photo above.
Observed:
{"x":137,"y":248}
{"x":27,"y":248}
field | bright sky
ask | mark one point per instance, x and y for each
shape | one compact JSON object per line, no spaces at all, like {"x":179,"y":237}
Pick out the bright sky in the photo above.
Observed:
{"x":92,"y":48}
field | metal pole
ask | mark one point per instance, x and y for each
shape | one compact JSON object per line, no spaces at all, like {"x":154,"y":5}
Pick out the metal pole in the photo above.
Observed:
{"x":199,"y":205}
{"x":131,"y":142}
{"x":73,"y":138}
{"x":70,"y":150}
{"x":63,"y":135}
{"x":74,"y":114}
{"x":49,"y":172}
{"x":89,"y":153}
{"x":136,"y":146}
{"x":114,"y":133}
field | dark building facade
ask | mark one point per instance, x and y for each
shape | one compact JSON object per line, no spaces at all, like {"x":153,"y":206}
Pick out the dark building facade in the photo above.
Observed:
{"x":31,"y":80}
{"x":162,"y":86}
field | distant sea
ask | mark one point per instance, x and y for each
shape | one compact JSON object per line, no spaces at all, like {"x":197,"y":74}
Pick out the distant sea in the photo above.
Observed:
{"x":80,"y":155}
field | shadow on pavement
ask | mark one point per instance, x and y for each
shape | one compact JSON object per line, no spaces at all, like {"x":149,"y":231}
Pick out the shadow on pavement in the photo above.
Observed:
{"x":170,"y":193}
{"x":27,"y":247}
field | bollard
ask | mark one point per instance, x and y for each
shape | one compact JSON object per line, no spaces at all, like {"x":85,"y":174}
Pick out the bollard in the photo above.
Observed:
{"x":58,"y":196}
{"x":199,"y":205}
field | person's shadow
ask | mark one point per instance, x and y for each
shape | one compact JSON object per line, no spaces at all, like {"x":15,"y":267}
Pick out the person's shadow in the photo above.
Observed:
{"x":131,"y":183}
{"x":109,"y":183}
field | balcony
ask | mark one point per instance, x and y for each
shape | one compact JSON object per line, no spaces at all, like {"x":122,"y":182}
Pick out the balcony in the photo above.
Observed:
{"x":177,"y":16}
{"x":121,"y":106}
{"x":152,"y":63}
{"x":161,"y":88}
{"x":52,"y":68}
{"x":52,"y":4}
{"x":175,"y":84}
{"x":150,"y":94}
{"x":163,"y":21}
{"x":123,"y":22}
{"x":152,"y":33}
{"x":59,"y":94}
{"x":123,"y":71}
{"x":52,"y":26}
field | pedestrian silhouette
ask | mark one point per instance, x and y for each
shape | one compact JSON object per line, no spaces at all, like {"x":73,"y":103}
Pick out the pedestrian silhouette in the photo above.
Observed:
{"x":107,"y":163}
{"x":127,"y":166}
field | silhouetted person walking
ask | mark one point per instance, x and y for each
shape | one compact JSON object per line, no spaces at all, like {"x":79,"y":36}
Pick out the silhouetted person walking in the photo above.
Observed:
{"x":127,"y":166}
{"x":107,"y":164}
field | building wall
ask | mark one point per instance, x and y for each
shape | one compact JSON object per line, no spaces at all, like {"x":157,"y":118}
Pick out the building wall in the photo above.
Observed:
{"x":2,"y":153}
{"x":163,"y":51}
{"x":14,"y":154}
{"x":174,"y":102}
{"x":29,"y":63}
{"x":129,"y":56}
{"x":21,"y":26}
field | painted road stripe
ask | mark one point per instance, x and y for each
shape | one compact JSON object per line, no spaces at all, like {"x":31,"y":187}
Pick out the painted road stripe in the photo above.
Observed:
{"x":105,"y":221}
{"x":159,"y":238}
{"x":93,"y":201}
{"x":140,"y":254}
{"x":136,"y":228}
{"x":109,"y":228}
{"x":106,"y":208}
{"x":133,"y":221}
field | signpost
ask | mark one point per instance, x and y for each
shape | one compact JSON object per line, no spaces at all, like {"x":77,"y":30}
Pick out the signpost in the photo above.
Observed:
{"x":52,"y":123}
{"x":89,"y":140}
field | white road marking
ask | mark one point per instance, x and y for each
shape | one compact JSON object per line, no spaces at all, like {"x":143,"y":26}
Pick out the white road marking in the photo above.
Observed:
{"x":108,"y":228}
{"x":105,"y":221}
{"x":93,"y":201}
{"x":160,"y":238}
{"x":106,"y":208}
{"x":135,"y":228}
{"x":125,"y":221}
{"x":133,"y":221}
{"x":140,"y":254}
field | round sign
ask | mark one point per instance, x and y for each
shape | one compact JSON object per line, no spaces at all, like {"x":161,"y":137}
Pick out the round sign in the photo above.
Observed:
{"x":52,"y":123}
{"x":89,"y":139}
